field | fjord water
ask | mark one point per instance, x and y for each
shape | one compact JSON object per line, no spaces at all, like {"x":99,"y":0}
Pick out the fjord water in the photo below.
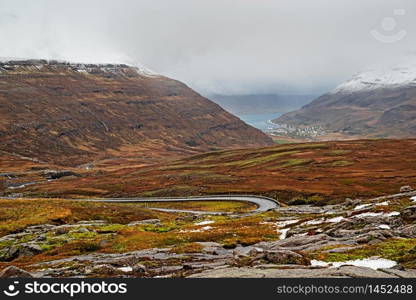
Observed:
{"x":259,"y":121}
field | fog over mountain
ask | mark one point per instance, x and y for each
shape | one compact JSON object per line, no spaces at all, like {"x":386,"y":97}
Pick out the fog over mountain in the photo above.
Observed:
{"x":261,"y":103}
{"x":219,"y":46}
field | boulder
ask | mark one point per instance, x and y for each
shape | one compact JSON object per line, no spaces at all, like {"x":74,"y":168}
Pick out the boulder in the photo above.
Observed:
{"x":103,"y":269}
{"x":297,"y":201}
{"x":286,"y":257}
{"x":62,"y":229}
{"x":81,"y":230}
{"x":350,"y":226}
{"x":248,"y":252}
{"x":408,"y":231}
{"x":29,"y":249}
{"x":409,"y":213}
{"x":350,"y":202}
{"x":244,"y":256}
{"x":22,"y":250}
{"x":406,"y":189}
{"x":212,"y":248}
{"x":295,"y":243}
{"x":14,"y":272}
{"x":381,"y":234}
{"x":104,"y":243}
{"x":187,"y":218}
{"x":41,"y":238}
{"x":343,"y":249}
{"x":139,"y":268}
{"x":11,"y":253}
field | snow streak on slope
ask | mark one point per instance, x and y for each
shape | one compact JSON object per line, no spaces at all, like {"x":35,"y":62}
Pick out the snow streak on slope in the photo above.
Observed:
{"x":400,"y":75}
{"x":84,"y":65}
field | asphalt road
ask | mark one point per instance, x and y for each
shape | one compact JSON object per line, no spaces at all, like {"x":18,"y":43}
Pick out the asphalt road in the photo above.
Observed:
{"x":263,"y":204}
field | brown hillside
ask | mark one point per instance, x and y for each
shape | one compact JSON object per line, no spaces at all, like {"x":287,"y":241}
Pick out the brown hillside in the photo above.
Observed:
{"x":72,"y":114}
{"x":311,"y":172}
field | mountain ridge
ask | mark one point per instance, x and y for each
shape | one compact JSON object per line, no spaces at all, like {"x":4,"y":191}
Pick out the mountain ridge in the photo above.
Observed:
{"x":376,"y":103}
{"x":70,"y":114}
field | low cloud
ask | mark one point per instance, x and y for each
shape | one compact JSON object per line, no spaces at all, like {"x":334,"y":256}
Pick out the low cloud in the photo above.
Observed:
{"x":217,"y":46}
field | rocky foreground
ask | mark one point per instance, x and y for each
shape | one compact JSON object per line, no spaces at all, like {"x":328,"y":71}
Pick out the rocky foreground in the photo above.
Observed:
{"x":372,"y":238}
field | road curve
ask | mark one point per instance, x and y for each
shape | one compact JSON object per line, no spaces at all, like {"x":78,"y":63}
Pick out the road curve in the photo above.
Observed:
{"x":263,"y":203}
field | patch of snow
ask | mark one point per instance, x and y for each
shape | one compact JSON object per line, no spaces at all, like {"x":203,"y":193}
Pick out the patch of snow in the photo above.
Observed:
{"x":21,"y":186}
{"x":283,"y":233}
{"x":280,"y":225}
{"x":358,"y":207}
{"x":384,"y":226}
{"x":205,"y":228}
{"x":392,"y":214}
{"x":385,"y":203}
{"x":286,"y":223}
{"x":413,"y":199}
{"x":336,"y":220}
{"x":392,"y":76}
{"x":125,"y":269}
{"x":314,"y":222}
{"x":373,"y":263}
{"x":368,"y":214}
{"x":145,"y":71}
{"x":374,"y":214}
{"x":205,"y":222}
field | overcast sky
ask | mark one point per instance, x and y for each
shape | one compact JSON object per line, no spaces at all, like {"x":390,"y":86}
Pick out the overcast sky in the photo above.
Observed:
{"x":216,"y":46}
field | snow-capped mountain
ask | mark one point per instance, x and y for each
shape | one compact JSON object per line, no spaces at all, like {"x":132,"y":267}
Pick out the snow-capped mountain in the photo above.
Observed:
{"x":379,"y":102}
{"x":390,"y":77}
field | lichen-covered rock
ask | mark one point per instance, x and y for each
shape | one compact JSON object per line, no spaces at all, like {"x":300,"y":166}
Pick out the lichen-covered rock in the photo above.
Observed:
{"x":408,"y":231}
{"x":341,"y":272}
{"x":406,"y":189}
{"x":29,"y":249}
{"x":409,"y":213}
{"x":22,"y":250}
{"x":14,"y":272}
{"x":286,"y":257}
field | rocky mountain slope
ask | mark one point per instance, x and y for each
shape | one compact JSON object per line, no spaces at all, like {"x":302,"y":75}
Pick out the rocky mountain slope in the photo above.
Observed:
{"x":72,"y":114}
{"x":376,"y":103}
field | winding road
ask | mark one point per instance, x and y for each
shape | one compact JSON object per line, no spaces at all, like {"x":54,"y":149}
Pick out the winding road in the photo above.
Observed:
{"x":263,"y":203}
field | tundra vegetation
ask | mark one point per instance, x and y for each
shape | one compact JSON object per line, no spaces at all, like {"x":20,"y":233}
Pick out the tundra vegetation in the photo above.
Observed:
{"x":43,"y":232}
